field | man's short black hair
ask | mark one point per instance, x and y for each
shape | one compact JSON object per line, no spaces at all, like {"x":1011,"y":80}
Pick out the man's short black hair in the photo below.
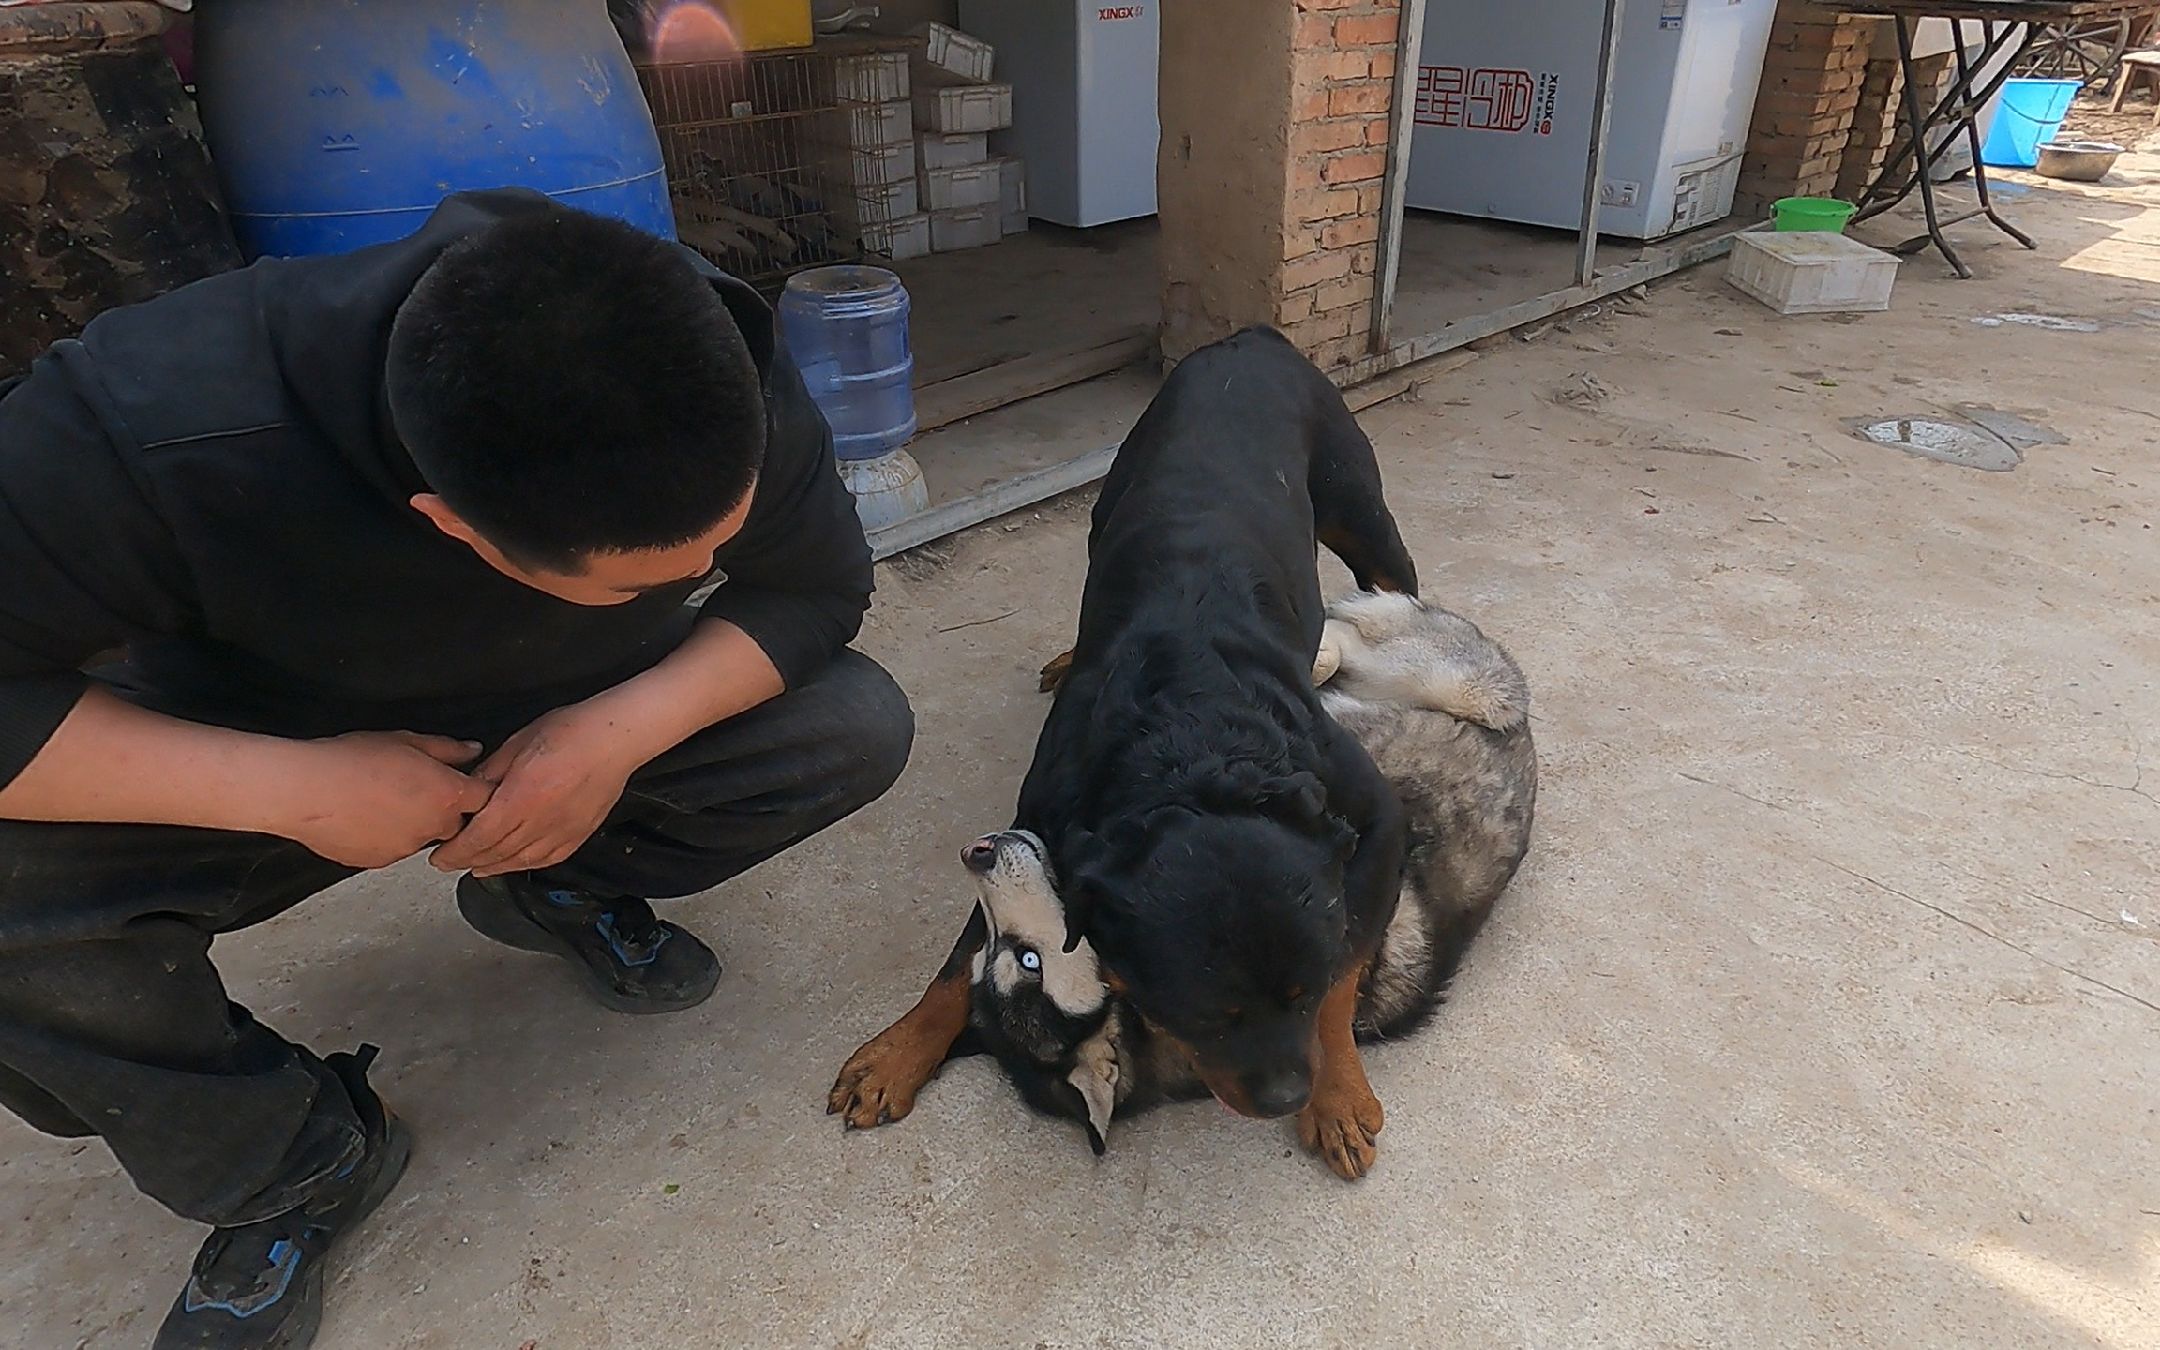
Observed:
{"x":572,"y":386}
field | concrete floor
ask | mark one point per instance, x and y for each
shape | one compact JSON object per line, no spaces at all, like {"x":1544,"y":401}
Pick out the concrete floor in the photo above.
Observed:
{"x":1051,"y":289}
{"x":1826,"y":1012}
{"x":1456,"y":268}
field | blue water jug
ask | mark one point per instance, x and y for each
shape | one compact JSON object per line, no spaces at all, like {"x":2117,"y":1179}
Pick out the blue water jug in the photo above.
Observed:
{"x":341,"y":123}
{"x":847,"y":328}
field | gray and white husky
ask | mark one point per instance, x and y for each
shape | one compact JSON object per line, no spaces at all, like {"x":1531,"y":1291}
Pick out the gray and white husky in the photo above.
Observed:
{"x":1444,"y":713}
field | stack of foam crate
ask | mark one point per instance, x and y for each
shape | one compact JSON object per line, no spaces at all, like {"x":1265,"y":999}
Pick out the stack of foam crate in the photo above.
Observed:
{"x":972,"y":197}
{"x":875,"y":142}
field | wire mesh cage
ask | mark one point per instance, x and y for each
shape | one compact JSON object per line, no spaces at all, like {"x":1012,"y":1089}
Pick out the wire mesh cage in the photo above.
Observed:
{"x":765,"y":165}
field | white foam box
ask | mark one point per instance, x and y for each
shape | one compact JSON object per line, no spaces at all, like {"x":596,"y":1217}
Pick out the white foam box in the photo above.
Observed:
{"x":869,"y":204}
{"x":872,"y":77}
{"x":961,"y":186}
{"x":1012,"y":194}
{"x":969,"y":227}
{"x":872,"y":166}
{"x":872,"y":126}
{"x":955,"y":52}
{"x":943,"y":151}
{"x":907,"y":237}
{"x":955,"y":107}
{"x":1811,"y":272}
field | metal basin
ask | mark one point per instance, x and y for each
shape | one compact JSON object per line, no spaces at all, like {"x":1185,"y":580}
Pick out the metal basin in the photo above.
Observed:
{"x":2077,"y":161}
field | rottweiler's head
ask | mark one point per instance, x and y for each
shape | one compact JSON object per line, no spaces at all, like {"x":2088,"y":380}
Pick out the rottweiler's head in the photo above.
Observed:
{"x":1223,"y":923}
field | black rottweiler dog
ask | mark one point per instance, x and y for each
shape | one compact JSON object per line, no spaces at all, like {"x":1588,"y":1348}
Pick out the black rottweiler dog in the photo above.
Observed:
{"x":1230,"y":853}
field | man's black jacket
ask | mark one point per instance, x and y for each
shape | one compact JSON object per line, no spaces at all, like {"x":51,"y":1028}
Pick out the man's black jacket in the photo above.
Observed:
{"x":210,"y":482}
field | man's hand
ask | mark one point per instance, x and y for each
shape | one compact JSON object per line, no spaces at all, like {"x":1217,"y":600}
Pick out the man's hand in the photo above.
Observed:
{"x":556,"y":780}
{"x":372,"y":798}
{"x":554,"y":783}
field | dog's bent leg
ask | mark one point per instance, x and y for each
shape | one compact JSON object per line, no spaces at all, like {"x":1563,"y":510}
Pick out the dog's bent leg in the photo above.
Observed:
{"x":1342,"y":1121}
{"x":1350,"y":512}
{"x":1054,"y":671}
{"x":878,"y":1083}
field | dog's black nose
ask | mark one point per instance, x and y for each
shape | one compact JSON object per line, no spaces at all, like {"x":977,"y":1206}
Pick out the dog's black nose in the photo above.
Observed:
{"x":1281,"y":1093}
{"x":981,"y":855}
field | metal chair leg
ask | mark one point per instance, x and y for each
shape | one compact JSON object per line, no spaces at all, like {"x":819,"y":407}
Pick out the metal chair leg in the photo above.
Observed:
{"x":1972,"y":139}
{"x":1916,"y":123}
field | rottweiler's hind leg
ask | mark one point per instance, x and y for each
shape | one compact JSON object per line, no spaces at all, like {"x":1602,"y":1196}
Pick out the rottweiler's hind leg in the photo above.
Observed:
{"x":1054,"y":671}
{"x":1350,"y":511}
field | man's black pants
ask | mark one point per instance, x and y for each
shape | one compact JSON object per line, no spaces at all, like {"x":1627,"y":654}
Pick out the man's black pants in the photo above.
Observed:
{"x":113,"y":1021}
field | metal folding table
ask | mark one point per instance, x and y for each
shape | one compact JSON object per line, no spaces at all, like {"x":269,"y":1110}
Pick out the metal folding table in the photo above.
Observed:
{"x":2011,"y":26}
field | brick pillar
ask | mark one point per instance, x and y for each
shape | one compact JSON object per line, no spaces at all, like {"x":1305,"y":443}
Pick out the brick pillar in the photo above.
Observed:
{"x":1878,"y":129}
{"x":1345,"y":85}
{"x":1274,"y":142}
{"x":1804,"y":110}
{"x":1876,"y":119}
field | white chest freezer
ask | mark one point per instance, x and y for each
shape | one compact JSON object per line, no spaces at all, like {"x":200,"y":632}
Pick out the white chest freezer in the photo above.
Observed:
{"x":1083,"y":78}
{"x":1505,"y":94}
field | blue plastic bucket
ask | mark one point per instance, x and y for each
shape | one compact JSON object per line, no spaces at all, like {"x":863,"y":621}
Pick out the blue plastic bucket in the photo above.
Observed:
{"x":336,"y":124}
{"x":847,"y":328}
{"x":2027,"y":117}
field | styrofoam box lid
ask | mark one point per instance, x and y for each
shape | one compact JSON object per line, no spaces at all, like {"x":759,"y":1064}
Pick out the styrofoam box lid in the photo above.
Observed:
{"x":1802,"y":247}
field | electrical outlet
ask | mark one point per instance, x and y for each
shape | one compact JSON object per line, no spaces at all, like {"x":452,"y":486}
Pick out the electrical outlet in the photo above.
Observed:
{"x":1621,"y":194}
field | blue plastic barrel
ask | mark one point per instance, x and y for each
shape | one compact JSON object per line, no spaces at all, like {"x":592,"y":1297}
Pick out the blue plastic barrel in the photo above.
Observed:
{"x":2026,"y":119}
{"x":847,"y":328}
{"x":341,"y":123}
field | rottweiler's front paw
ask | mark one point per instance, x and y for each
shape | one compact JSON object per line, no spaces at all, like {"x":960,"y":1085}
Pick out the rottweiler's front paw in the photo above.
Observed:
{"x":877,"y":1085}
{"x":1342,"y":1125}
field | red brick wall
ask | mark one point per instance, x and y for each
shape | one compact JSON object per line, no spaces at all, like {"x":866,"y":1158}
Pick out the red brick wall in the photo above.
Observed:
{"x":1803,"y":115}
{"x":1878,"y":128}
{"x":1343,"y":83}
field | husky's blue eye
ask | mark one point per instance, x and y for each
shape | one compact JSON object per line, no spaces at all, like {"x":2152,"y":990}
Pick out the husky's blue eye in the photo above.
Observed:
{"x":1030,"y":959}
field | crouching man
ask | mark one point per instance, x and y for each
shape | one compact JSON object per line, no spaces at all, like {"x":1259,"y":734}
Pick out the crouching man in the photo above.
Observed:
{"x":318,"y":565}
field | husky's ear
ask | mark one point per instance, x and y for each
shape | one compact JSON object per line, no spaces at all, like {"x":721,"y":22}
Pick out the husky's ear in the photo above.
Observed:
{"x":1095,"y":1078}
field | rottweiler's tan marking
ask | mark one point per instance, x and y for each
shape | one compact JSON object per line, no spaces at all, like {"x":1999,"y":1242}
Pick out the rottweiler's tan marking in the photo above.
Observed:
{"x":1342,"y":1121}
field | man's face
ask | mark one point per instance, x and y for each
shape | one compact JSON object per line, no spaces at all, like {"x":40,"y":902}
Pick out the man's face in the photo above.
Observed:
{"x":605,"y":578}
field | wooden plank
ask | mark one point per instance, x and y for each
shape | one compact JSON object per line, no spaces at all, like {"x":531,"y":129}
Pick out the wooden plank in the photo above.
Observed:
{"x":1992,"y":11}
{"x":1601,"y":121}
{"x":1410,"y":39}
{"x":1402,"y":381}
{"x":1041,"y":485}
{"x":991,"y":502}
{"x":978,"y":391}
{"x":1414,"y":359}
{"x":1661,"y":262}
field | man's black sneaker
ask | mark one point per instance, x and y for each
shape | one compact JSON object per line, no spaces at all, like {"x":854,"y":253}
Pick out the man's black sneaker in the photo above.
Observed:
{"x":259,"y":1286}
{"x":632,"y":961}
